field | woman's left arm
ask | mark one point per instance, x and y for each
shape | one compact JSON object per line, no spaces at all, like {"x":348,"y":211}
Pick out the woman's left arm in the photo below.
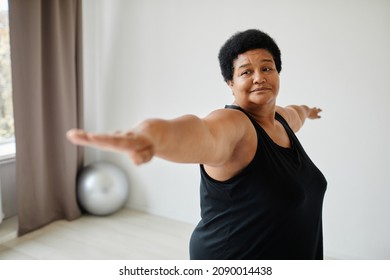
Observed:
{"x":296,"y":115}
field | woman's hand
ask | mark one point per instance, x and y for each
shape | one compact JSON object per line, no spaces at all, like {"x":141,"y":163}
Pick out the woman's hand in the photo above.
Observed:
{"x":137,"y":146}
{"x":314,"y":113}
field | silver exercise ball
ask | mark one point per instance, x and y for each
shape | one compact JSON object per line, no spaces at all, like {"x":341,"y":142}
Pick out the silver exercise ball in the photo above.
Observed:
{"x":102,"y":188}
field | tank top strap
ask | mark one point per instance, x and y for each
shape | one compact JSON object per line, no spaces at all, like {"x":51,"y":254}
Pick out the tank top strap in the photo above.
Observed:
{"x":263,"y":134}
{"x":277,"y":117}
{"x":285,"y":124}
{"x":256,"y":125}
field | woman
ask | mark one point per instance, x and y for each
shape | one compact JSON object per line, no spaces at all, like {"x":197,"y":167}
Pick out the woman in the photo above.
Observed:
{"x":261,"y":196}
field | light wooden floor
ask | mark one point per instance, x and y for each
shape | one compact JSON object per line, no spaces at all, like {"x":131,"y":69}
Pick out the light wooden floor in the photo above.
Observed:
{"x":125,"y":235}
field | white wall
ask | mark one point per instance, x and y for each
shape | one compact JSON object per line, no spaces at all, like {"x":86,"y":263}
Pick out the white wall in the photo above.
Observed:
{"x":151,"y":58}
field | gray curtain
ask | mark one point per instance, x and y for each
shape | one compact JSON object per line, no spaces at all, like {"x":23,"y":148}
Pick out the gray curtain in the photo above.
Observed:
{"x":47,"y":94}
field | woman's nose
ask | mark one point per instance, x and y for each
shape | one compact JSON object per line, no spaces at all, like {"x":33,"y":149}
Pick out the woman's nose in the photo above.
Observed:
{"x":258,"y":77}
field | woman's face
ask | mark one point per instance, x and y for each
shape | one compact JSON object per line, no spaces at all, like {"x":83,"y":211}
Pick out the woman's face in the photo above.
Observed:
{"x":255,"y":79}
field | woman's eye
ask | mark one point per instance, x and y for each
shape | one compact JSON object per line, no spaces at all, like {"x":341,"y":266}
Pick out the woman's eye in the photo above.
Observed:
{"x":247,"y":72}
{"x":266,"y":69}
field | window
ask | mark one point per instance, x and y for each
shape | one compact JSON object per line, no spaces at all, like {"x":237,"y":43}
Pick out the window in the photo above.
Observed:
{"x":7,"y":136}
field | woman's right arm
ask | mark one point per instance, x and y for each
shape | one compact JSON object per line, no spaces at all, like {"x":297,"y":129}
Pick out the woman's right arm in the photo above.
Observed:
{"x":187,"y":139}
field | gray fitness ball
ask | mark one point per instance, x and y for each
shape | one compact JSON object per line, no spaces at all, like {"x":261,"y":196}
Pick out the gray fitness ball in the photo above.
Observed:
{"x":102,"y":188}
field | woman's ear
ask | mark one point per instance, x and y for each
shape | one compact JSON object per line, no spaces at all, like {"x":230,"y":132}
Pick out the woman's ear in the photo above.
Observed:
{"x":230,"y":83}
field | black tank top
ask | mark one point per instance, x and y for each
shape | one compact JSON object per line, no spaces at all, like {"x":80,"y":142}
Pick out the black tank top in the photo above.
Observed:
{"x":270,"y":210}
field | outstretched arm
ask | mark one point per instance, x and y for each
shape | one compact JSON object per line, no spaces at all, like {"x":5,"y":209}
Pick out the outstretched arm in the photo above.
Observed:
{"x":187,"y":139}
{"x":296,"y":115}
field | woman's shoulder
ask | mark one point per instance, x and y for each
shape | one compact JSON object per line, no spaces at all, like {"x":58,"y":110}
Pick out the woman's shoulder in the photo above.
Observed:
{"x":242,"y":144}
{"x":230,"y":113}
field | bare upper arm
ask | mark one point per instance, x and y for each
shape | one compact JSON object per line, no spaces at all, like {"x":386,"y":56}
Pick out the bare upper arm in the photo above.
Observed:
{"x":236,"y":143}
{"x":211,"y":140}
{"x":228,"y":128}
{"x":224,"y":142}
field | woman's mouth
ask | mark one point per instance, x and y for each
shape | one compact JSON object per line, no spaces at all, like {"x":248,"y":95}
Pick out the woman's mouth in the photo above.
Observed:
{"x":262,"y":89}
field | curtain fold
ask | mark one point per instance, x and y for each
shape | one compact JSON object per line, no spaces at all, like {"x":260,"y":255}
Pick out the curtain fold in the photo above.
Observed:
{"x":46,"y":57}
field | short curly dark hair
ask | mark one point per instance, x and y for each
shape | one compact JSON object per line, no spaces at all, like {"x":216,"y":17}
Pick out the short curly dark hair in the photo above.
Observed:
{"x":242,"y":42}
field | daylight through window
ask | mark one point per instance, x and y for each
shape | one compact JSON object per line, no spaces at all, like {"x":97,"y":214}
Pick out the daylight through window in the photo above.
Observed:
{"x":7,"y":136}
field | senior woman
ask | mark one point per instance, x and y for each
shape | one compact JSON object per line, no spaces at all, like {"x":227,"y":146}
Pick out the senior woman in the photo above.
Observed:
{"x":261,"y":195}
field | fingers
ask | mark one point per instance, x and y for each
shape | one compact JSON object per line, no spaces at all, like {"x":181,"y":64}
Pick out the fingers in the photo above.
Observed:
{"x":315,"y":113}
{"x":318,"y":111}
{"x":136,"y":146}
{"x":77,"y":136}
{"x":80,"y":137}
{"x":121,"y":142}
